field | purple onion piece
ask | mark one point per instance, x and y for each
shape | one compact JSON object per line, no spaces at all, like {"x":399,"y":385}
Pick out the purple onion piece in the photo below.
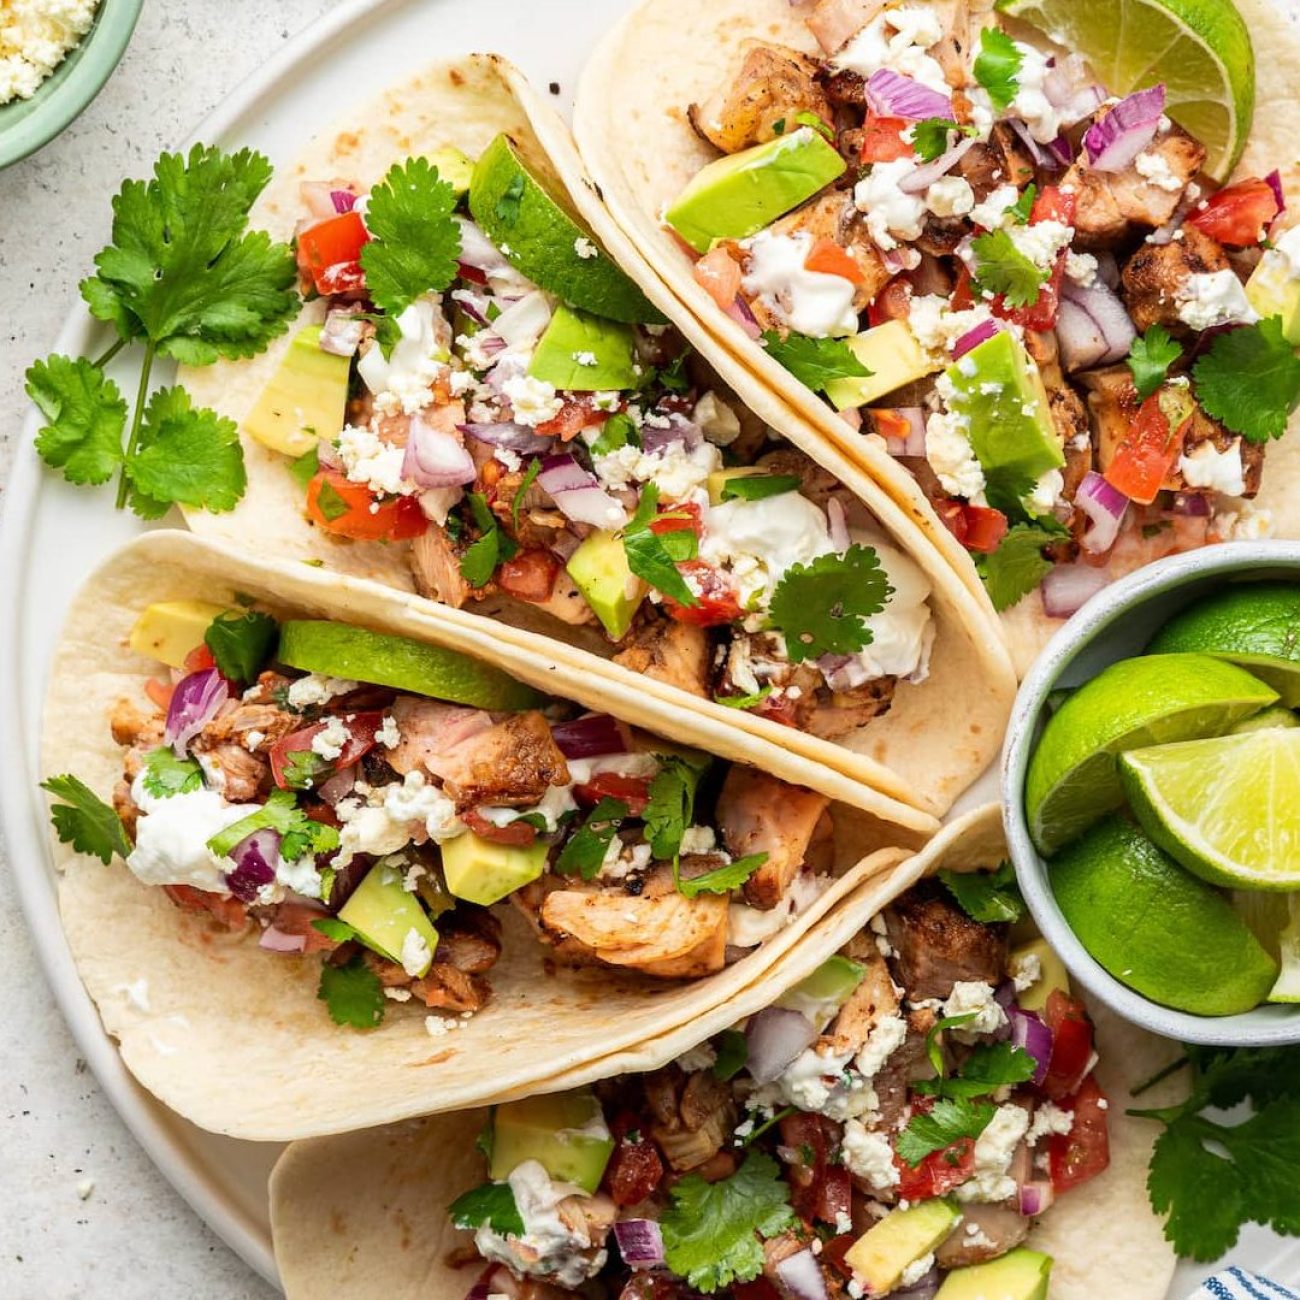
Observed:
{"x":981,"y":333}
{"x":434,"y":459}
{"x":590,"y":736}
{"x":1274,"y":179}
{"x":925,"y":1288}
{"x":195,"y":701}
{"x":891,"y":94}
{"x":776,"y":1036}
{"x":274,"y":940}
{"x":1105,"y":505}
{"x":508,"y":436}
{"x":1116,"y":139}
{"x":1031,"y":1035}
{"x":802,"y":1277}
{"x":925,"y":176}
{"x":343,"y":200}
{"x":640,"y":1242}
{"x":1195,"y":505}
{"x":678,"y":430}
{"x":1068,"y":586}
{"x":254,"y":857}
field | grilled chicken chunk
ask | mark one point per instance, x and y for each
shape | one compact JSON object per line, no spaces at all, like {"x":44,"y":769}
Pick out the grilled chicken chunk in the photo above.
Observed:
{"x":1153,"y":276}
{"x":1112,"y":406}
{"x":512,"y":763}
{"x":436,"y":568}
{"x":835,"y":22}
{"x":872,"y":1001}
{"x":469,"y":938}
{"x":431,"y":731}
{"x":833,"y":215}
{"x":1003,"y":160}
{"x":244,"y":776}
{"x":837,"y":713}
{"x":694,"y":1114}
{"x":985,"y":1232}
{"x":937,"y":945}
{"x":668,"y":651}
{"x":772,"y":85}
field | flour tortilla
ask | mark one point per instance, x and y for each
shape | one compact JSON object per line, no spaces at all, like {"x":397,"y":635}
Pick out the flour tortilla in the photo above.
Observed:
{"x":921,"y":751}
{"x":641,"y":149}
{"x":233,"y":1037}
{"x":363,"y":1216}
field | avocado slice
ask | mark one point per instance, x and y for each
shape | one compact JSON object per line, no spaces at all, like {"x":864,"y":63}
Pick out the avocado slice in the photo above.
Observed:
{"x":484,"y":872}
{"x":999,"y":393}
{"x":881,"y":1255}
{"x":580,"y":352}
{"x":1054,"y":975}
{"x":170,"y":629}
{"x":304,"y":400}
{"x":454,"y":167}
{"x":341,"y":650}
{"x":825,"y":991}
{"x":383,"y":913}
{"x":565,"y":1132}
{"x":736,"y":196}
{"x":1018,"y":1275}
{"x":894,"y":358}
{"x":1273,"y":290}
{"x":599,"y":568}
{"x":526,"y":212}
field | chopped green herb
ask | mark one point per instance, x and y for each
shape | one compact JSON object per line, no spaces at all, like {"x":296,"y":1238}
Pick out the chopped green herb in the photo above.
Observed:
{"x":85,"y":821}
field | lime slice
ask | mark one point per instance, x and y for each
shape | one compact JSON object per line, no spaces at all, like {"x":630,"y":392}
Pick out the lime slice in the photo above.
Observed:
{"x":1072,"y":776}
{"x":1226,"y":808}
{"x":1157,"y":929}
{"x":1277,"y":716}
{"x":1275,"y":919}
{"x":1255,"y":624}
{"x":1287,"y":987}
{"x":524,"y":210}
{"x":340,"y":650}
{"x":1200,"y":49}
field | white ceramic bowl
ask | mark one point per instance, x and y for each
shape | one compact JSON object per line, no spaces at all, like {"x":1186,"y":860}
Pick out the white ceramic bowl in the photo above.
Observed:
{"x":1115,"y":624}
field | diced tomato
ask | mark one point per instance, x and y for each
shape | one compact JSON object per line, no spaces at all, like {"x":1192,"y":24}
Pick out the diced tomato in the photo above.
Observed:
{"x":963,"y":298}
{"x":1067,"y":1018}
{"x":632,"y":790}
{"x":323,"y":813}
{"x":829,"y":258}
{"x":350,"y":511}
{"x":893,"y":302}
{"x":635,"y":1166}
{"x":890,"y":423}
{"x":834,"y":1251}
{"x":199,"y":659}
{"x":578,"y":412}
{"x":1237,"y":215}
{"x":977,"y":528}
{"x":679,"y":519}
{"x":1052,"y":204}
{"x":938,"y":1173}
{"x":529,"y":576}
{"x":159,"y":692}
{"x":882,"y":139}
{"x":759,"y":1289}
{"x":1084,"y":1151}
{"x":716,"y":601}
{"x":361,"y":740}
{"x":229,"y":912}
{"x":330,"y":244}
{"x":821,"y":1190}
{"x":515,"y":832}
{"x":718,"y":274}
{"x":1146,"y":456}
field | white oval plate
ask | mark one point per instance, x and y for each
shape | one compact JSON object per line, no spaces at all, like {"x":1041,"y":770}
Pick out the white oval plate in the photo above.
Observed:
{"x":52,"y":535}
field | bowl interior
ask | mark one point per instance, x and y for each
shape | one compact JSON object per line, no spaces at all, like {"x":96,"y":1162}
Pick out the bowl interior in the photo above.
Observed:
{"x":1115,"y":625}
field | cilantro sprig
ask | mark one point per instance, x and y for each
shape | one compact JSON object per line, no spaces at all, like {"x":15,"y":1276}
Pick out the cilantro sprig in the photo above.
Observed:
{"x":492,"y":1204}
{"x":1001,"y":268}
{"x":815,"y":362}
{"x":989,"y":1067}
{"x":997,"y":66}
{"x":930,"y":136}
{"x":723,"y":879}
{"x":648,"y":553}
{"x":1018,"y":565}
{"x":986,"y":896}
{"x":299,"y":834}
{"x":1249,"y":380}
{"x":352,"y":994}
{"x":1150,"y":357}
{"x":494,"y":546}
{"x":84,"y":820}
{"x":241,"y":644}
{"x":670,"y":808}
{"x":166,"y":775}
{"x":584,"y":852}
{"x":950,"y":1120}
{"x":822,"y":608}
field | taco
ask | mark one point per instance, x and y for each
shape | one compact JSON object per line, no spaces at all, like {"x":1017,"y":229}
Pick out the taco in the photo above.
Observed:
{"x":805,"y":1156}
{"x":1032,"y":304}
{"x":348,"y":875}
{"x":527,"y":440}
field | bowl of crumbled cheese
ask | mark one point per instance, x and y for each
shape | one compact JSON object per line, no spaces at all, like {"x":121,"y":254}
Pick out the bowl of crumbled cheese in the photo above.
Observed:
{"x":54,"y":57}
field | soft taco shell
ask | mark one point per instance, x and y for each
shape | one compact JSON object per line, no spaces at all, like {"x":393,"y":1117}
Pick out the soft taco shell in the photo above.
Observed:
{"x":640,"y":147}
{"x":364,"y":1214}
{"x":233,"y":1037}
{"x":918,"y":752}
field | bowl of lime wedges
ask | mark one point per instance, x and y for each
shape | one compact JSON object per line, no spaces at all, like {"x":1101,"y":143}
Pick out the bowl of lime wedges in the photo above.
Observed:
{"x":1151,"y":794}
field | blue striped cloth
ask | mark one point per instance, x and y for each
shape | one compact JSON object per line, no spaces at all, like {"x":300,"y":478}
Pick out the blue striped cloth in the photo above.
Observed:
{"x":1237,"y":1284}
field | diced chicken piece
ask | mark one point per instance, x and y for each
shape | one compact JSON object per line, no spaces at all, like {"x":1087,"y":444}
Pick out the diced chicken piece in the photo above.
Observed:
{"x":835,"y":22}
{"x":840,"y":712}
{"x":566,"y":602}
{"x":940,"y":236}
{"x":436,"y":568}
{"x":1153,"y":276}
{"x":871,"y":1002}
{"x":1204,"y":429}
{"x":1002,"y":160}
{"x":834,"y":216}
{"x":937,"y":945}
{"x":776,"y":1250}
{"x":134,"y":729}
{"x":668,"y":651}
{"x":513,"y":763}
{"x":469,"y":939}
{"x":773,"y":84}
{"x":430,"y":733}
{"x":244,"y":776}
{"x":758,"y":813}
{"x":269,"y":721}
{"x":589,"y":1216}
{"x":906,"y":1064}
{"x":445,"y":988}
{"x":985,"y":1232}
{"x":1112,"y":406}
{"x":693,"y":1116}
{"x":844,"y":87}
{"x":228,"y":912}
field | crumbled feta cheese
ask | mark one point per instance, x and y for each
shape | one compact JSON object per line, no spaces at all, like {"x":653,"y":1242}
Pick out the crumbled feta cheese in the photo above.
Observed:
{"x":699,"y":839}
{"x":585,"y":359}
{"x":1154,"y":169}
{"x":309,"y":690}
{"x":1032,"y":104}
{"x":388,"y":735}
{"x":950,"y":196}
{"x":1207,"y":467}
{"x":884,"y":1038}
{"x":994,"y":1149}
{"x":1041,"y":241}
{"x":1247,"y":524}
{"x":416,"y":954}
{"x":890,"y":211}
{"x":897,"y":39}
{"x":415,"y":800}
{"x":1212,"y":298}
{"x":809,"y":302}
{"x":869,"y":1155}
{"x":916,"y":1270}
{"x":716,"y":420}
{"x":368,"y":459}
{"x":1047,"y":491}
{"x":1081,"y":268}
{"x":329,"y":741}
{"x":253,"y":738}
{"x":702,"y":1057}
{"x":1049,"y":1119}
{"x":1026,"y":970}
{"x":585,"y":248}
{"x":35,"y":37}
{"x":952,"y":457}
{"x":300,"y":875}
{"x":676,"y":470}
{"x":991,"y":211}
{"x":974,"y":997}
{"x":534,"y":400}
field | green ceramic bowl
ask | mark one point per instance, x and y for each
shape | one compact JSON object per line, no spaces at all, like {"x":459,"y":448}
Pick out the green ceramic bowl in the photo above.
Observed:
{"x":27,"y":124}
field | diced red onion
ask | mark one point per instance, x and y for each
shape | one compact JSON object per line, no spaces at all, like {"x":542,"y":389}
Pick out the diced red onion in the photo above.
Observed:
{"x":914,"y":443}
{"x":1082,"y":344}
{"x":489,"y":342}
{"x":925,"y":1288}
{"x":1106,"y":506}
{"x":678,"y":430}
{"x":1030,"y":1035}
{"x":1044,"y":155}
{"x":1036,"y":1197}
{"x":925,"y":176}
{"x":194,"y":703}
{"x":985,"y":330}
{"x":477,"y":250}
{"x":274,"y":940}
{"x":254,"y":857}
{"x":1069,"y":90}
{"x":838,"y":522}
{"x":434,"y":459}
{"x":318,"y":199}
{"x":891,"y":94}
{"x":740,"y":313}
{"x":468,"y":302}
{"x":852,"y":416}
{"x":562,"y":473}
{"x":1107,"y":268}
{"x":776,"y":1035}
{"x":339,"y":786}
{"x":344,"y":200}
{"x":1068,"y":586}
{"x":894,"y":260}
{"x":328,"y":455}
{"x":591,"y":736}
{"x":640,"y":1242}
{"x":1100,"y":332}
{"x":510,"y":437}
{"x":1193,"y":504}
{"x":1274,"y":179}
{"x":843,"y":672}
{"x":340,"y":336}
{"x":525,"y":320}
{"x":578,"y":494}
{"x":801,"y":1275}
{"x":1116,"y":139}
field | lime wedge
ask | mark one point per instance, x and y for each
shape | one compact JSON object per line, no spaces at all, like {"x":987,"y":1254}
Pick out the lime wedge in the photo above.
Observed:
{"x":1275,"y":919}
{"x":1157,"y":929}
{"x":1255,"y":624}
{"x":524,"y":210}
{"x":1287,"y":987}
{"x":1200,"y":49}
{"x":1072,"y":776}
{"x":1276,"y":716}
{"x":1227,"y":808}
{"x":355,"y":653}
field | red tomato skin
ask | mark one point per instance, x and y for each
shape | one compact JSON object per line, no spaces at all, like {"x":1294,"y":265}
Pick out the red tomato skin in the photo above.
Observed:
{"x":821,"y":1190}
{"x":716,"y":599}
{"x":1067,"y":1018}
{"x":634,"y":1171}
{"x":330,"y":244}
{"x":632,"y":790}
{"x":1238,"y":215}
{"x":893,"y":302}
{"x":529,"y":576}
{"x":1083,"y":1152}
{"x":519,"y":833}
{"x":938,"y":1173}
{"x":882,"y":139}
{"x":1146,"y":456}
{"x":396,"y":519}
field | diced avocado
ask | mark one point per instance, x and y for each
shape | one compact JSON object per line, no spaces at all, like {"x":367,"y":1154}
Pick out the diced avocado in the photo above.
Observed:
{"x":454,"y":167}
{"x":1053,"y":974}
{"x":1273,"y":290}
{"x":999,"y":395}
{"x":304,"y":399}
{"x":1277,"y":716}
{"x":736,"y":196}
{"x":825,"y":991}
{"x":169,"y":630}
{"x":565,"y":1132}
{"x":384,"y":913}
{"x":1018,"y":1275}
{"x":580,"y":352}
{"x":484,"y":872}
{"x":600,"y":569}
{"x":894,"y":358}
{"x":721,"y":477}
{"x":434,"y":894}
{"x":881,"y":1255}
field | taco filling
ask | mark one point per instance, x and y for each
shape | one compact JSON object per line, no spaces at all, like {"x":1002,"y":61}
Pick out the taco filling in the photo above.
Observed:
{"x":544,"y":461}
{"x":895,"y":1124}
{"x":1026,"y":286}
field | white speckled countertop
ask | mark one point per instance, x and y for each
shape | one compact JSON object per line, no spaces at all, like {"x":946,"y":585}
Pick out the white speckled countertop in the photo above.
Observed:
{"x":131,"y":1237}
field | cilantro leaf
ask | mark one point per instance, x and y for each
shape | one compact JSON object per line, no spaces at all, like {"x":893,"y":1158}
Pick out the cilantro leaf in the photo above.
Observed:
{"x":618,"y":431}
{"x":166,"y":775}
{"x":493,"y":547}
{"x":1150,"y":357}
{"x":648,"y":557}
{"x":299,"y":834}
{"x":352,"y":993}
{"x":758,"y":487}
{"x":815,"y":362}
{"x":670,"y":808}
{"x":822,"y":607}
{"x":997,"y":66}
{"x":1007,"y":489}
{"x":241,"y":643}
{"x":491,"y":1203}
{"x":930,"y":136}
{"x":722,"y":880}
{"x":1001,"y":268}
{"x":507,"y":208}
{"x":332,"y":928}
{"x":86,"y":415}
{"x":951,"y":1119}
{"x":85,"y":821}
{"x":989,"y":1067}
{"x":415,"y":239}
{"x":517,"y":501}
{"x":585,"y":850}
{"x":304,"y":468}
{"x":711,"y":1231}
{"x":1249,"y":380}
{"x":933,"y":1048}
{"x":1024,"y":204}
{"x":1018,"y":565}
{"x":744,"y":701}
{"x":732,"y":1048}
{"x":987,"y":896}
